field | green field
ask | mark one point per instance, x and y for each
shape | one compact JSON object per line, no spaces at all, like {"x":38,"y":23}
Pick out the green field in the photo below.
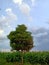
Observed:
{"x":29,"y":58}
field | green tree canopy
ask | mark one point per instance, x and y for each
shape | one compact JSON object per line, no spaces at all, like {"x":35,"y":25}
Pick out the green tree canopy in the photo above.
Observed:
{"x":21,"y":39}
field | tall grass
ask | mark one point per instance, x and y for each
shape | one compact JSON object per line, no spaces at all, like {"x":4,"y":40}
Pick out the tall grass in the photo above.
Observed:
{"x":29,"y":58}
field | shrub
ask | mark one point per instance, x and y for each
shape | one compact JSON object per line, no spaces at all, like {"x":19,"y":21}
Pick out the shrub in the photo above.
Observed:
{"x":13,"y":57}
{"x":31,"y":57}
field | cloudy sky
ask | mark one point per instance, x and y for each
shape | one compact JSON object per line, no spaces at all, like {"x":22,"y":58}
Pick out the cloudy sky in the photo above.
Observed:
{"x":33,"y":13}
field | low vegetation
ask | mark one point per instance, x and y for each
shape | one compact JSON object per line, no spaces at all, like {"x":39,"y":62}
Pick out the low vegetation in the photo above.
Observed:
{"x":29,"y":58}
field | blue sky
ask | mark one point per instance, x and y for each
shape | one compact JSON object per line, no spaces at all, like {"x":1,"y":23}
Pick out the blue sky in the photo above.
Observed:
{"x":39,"y":12}
{"x":33,"y":13}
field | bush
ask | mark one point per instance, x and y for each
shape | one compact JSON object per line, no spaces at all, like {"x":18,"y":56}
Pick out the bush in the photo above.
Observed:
{"x":31,"y":57}
{"x":37,"y":57}
{"x":13,"y":57}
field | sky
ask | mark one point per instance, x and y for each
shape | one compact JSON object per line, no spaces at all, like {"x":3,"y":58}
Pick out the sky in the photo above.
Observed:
{"x":33,"y":13}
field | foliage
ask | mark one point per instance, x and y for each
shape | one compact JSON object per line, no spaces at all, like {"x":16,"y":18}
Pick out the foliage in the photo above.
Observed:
{"x":37,"y":57}
{"x":30,"y":58}
{"x":13,"y":57}
{"x":21,"y":39}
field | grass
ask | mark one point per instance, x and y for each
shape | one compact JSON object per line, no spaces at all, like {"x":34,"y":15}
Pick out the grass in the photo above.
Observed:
{"x":4,"y":62}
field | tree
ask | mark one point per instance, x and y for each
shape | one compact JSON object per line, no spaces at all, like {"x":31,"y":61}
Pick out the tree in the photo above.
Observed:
{"x":21,"y":39}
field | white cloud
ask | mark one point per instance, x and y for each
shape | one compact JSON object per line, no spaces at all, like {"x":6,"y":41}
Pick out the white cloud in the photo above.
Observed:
{"x":25,"y":8}
{"x":19,"y":2}
{"x":33,"y":2}
{"x":8,"y":10}
{"x":1,"y":32}
{"x":10,"y":17}
{"x":6,"y":20}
